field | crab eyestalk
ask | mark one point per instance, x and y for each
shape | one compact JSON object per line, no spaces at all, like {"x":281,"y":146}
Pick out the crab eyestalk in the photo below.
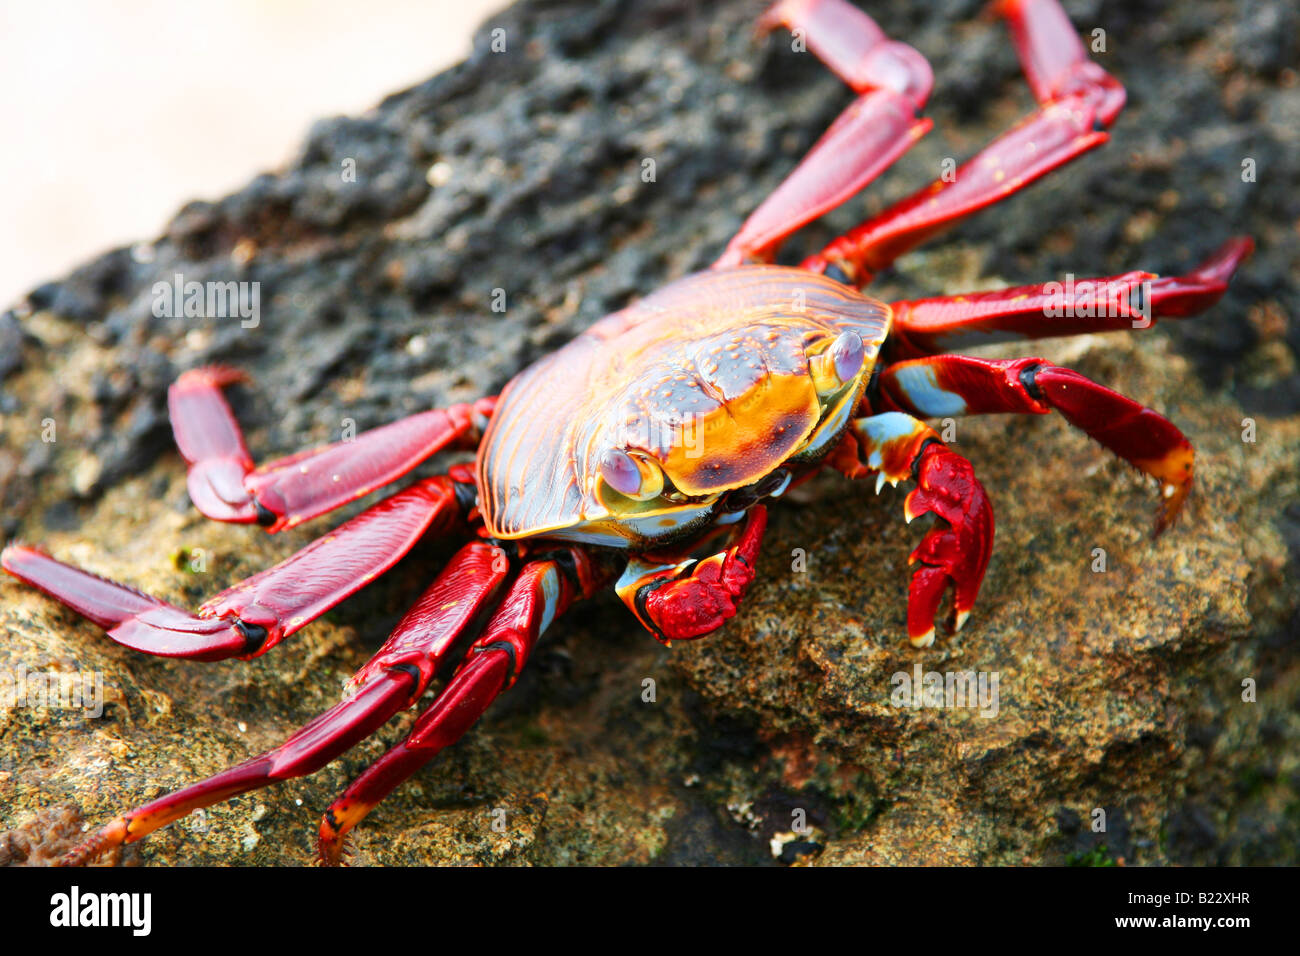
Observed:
{"x":631,"y":476}
{"x":839,"y":364}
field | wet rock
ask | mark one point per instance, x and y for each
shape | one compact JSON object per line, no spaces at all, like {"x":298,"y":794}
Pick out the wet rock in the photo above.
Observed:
{"x":783,"y":738}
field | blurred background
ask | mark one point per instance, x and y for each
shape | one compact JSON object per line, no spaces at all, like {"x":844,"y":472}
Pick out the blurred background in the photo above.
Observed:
{"x":188,"y":101}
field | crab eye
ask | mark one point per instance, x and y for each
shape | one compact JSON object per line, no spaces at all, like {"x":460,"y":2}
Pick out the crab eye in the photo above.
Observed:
{"x":840,"y":363}
{"x":848,"y":355}
{"x":631,"y":477}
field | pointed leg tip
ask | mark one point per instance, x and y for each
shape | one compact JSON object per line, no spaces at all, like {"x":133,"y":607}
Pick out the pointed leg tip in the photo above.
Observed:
{"x":331,"y":852}
{"x":111,"y":836}
{"x":1172,"y":498}
{"x":334,"y":845}
{"x":961,"y":619}
{"x":1164,"y":521}
{"x":922,"y":640}
{"x":1223,"y":261}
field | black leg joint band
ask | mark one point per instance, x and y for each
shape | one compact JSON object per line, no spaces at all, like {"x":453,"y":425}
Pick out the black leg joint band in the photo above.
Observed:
{"x":564,"y":560}
{"x":254,"y":636}
{"x":642,"y":596}
{"x":1029,"y":379}
{"x":920,"y":453}
{"x":836,"y":272}
{"x":265,"y":516}
{"x":509,"y":649}
{"x":408,"y":669}
{"x":466,"y":497}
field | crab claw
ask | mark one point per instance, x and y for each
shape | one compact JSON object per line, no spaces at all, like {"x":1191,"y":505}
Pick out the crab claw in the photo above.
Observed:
{"x":686,"y":599}
{"x":702,"y":602}
{"x":955,"y":550}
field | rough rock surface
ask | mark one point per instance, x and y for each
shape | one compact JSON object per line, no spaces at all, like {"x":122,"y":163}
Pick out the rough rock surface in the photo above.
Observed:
{"x":521,"y":171}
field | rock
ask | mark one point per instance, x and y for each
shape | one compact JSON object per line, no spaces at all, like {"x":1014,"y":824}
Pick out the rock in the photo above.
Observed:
{"x":780,"y":737}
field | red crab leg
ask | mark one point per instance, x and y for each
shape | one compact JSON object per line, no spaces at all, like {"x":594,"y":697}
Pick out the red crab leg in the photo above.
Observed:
{"x":681,"y":598}
{"x":256,"y":614}
{"x":879,"y":126}
{"x":1131,"y":300}
{"x":943,"y":385}
{"x":225,"y":486}
{"x":894,"y":447}
{"x":542,"y":592}
{"x":452,"y":606}
{"x":1078,"y":101}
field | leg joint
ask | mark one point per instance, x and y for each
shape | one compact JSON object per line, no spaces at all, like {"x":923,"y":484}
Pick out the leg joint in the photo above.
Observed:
{"x":920,"y":455}
{"x":510,"y":650}
{"x":1029,"y":380}
{"x":254,"y":637}
{"x":265,"y":516}
{"x":466,"y":497}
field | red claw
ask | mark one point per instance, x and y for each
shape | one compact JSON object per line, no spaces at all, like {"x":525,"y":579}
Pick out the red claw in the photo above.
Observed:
{"x":697,"y":598}
{"x":957,"y":549}
{"x":698,"y":605}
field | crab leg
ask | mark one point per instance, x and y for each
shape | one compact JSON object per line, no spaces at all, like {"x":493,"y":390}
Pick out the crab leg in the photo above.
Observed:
{"x":943,"y":385}
{"x":452,"y":607}
{"x":894,"y":447}
{"x":893,"y":81}
{"x":678,"y":599}
{"x":256,"y":614}
{"x":225,"y":485}
{"x":1131,"y":300}
{"x":1078,"y":101}
{"x":544,"y":589}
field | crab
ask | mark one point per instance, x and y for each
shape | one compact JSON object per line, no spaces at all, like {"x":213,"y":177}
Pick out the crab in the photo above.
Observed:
{"x":643,"y":453}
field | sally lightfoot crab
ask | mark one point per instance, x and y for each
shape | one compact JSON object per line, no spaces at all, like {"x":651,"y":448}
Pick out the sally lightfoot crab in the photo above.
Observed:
{"x":643,"y":452}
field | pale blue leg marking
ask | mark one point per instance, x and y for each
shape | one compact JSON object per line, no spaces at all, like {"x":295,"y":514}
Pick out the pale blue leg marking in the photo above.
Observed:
{"x":918,"y":384}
